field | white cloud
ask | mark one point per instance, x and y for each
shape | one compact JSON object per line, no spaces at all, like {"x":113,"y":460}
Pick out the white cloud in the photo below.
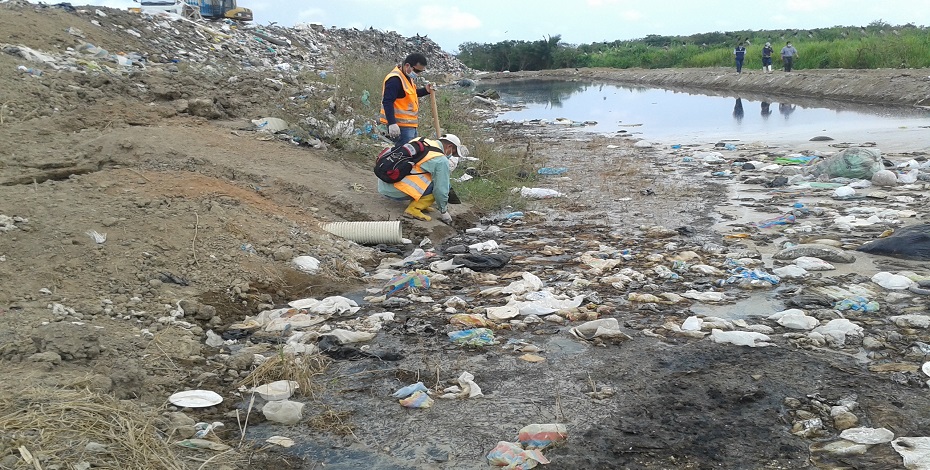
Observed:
{"x":437,"y":18}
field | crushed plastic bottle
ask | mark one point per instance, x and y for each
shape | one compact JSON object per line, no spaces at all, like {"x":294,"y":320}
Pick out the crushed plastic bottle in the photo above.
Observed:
{"x":552,"y":171}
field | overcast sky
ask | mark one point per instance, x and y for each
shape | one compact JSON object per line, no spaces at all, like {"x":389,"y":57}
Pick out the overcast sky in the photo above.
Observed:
{"x":451,"y":23}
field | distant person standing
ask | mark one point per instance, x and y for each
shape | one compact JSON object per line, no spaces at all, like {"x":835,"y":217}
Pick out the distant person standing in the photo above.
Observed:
{"x":788,"y":54}
{"x":400,"y":99}
{"x":767,"y":57}
{"x":740,"y":54}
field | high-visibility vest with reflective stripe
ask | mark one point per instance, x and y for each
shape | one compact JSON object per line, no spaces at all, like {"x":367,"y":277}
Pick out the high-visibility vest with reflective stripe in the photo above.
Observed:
{"x":415,"y":184}
{"x":405,"y":108}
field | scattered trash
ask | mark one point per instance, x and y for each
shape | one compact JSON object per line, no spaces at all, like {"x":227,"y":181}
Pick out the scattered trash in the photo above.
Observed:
{"x":307,"y":264}
{"x":780,"y":220}
{"x":514,"y":456}
{"x":277,"y":390}
{"x":467,"y":388}
{"x":270,"y":125}
{"x":410,"y":390}
{"x":411,"y":280}
{"x":418,"y":399}
{"x":473,"y":337}
{"x":552,"y":171}
{"x":537,"y":193}
{"x":740,"y":338}
{"x":283,"y":411}
{"x":541,"y":436}
{"x":892,"y":281}
{"x":195,"y":399}
{"x":98,"y":238}
{"x":203,"y":444}
{"x":857,"y":304}
{"x":203,"y":429}
{"x":280,"y":441}
{"x":853,"y":162}
{"x":602,"y":328}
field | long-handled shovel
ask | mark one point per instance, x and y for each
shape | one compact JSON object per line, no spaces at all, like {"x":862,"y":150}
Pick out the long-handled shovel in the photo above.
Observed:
{"x":432,"y":102}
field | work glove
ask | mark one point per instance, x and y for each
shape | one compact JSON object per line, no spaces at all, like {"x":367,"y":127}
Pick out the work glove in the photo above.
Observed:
{"x":445,"y":218}
{"x":394,"y":131}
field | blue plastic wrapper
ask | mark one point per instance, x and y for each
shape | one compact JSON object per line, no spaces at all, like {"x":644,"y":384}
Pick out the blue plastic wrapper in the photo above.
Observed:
{"x":857,"y":304}
{"x":409,"y":390}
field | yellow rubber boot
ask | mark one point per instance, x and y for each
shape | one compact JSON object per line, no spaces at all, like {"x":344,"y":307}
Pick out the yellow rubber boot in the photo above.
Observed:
{"x":415,"y":210}
{"x":425,"y":203}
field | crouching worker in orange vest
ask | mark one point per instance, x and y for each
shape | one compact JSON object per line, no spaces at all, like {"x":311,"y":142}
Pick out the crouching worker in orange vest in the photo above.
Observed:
{"x":428,"y":182}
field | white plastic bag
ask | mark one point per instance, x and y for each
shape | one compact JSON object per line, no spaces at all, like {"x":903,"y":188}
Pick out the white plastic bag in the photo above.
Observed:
{"x":740,"y":338}
{"x":283,"y":411}
{"x":538,"y":193}
{"x":892,"y":281}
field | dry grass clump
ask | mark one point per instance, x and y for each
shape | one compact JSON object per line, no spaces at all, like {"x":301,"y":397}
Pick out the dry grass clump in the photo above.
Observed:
{"x":55,"y":425}
{"x":333,"y":421}
{"x":303,"y":369}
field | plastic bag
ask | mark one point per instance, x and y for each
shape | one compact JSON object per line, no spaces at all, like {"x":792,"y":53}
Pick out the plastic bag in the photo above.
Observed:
{"x":473,"y":337}
{"x":740,"y":338}
{"x":283,"y":411}
{"x":540,"y":436}
{"x":854,"y":162}
{"x":511,"y":455}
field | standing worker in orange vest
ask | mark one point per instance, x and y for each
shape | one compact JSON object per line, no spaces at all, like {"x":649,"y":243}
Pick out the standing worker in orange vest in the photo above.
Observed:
{"x":400,"y":99}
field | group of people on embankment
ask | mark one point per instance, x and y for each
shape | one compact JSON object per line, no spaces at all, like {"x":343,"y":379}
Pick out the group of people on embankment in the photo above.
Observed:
{"x":788,"y":55}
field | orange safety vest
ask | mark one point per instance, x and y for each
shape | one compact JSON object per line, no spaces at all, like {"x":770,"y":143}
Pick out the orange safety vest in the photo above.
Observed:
{"x":415,"y":184}
{"x":407,"y":107}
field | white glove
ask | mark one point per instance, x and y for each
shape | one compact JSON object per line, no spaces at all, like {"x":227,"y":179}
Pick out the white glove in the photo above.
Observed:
{"x":445,"y":218}
{"x":394,"y":131}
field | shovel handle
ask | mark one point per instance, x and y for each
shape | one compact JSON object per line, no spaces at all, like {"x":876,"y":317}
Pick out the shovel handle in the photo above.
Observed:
{"x":432,"y":102}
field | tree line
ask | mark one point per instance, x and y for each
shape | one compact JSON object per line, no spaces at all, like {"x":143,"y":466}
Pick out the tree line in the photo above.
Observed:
{"x":877,"y":45}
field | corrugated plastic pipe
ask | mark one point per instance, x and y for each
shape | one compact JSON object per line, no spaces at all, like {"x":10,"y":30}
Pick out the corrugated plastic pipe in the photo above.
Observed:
{"x":387,"y":231}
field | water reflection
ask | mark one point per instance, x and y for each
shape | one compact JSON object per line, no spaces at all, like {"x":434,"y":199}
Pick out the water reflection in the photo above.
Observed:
{"x":738,"y":110}
{"x":766,"y":110}
{"x":684,"y":113}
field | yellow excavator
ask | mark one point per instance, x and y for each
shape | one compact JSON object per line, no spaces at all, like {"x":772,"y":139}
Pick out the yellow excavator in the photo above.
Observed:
{"x":210,"y":9}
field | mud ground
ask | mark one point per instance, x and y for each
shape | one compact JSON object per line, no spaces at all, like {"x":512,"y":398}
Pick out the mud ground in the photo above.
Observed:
{"x":202,"y":209}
